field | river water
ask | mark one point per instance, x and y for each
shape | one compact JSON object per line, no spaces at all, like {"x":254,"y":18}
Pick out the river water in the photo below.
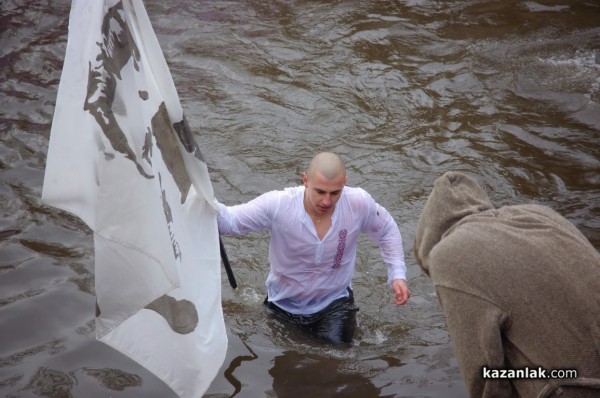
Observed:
{"x":403,"y":90}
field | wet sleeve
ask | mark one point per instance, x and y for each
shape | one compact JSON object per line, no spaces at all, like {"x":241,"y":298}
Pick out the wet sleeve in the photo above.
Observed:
{"x":255,"y":215}
{"x":380,"y":226}
{"x":476,"y":326}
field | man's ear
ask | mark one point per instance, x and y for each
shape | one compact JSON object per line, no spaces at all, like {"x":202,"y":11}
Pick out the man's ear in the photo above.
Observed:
{"x":304,"y":178}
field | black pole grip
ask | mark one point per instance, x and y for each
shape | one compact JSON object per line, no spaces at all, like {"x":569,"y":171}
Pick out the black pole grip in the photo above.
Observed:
{"x":227,"y":265}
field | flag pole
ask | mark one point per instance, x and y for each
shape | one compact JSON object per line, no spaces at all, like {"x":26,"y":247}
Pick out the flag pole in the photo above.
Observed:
{"x":227,"y":265}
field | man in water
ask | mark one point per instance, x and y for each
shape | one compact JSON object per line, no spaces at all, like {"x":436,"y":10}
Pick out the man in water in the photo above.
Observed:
{"x":520,"y":288}
{"x":314,"y":231}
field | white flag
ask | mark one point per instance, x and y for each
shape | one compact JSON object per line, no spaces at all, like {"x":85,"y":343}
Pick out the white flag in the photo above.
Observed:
{"x":122,"y":158}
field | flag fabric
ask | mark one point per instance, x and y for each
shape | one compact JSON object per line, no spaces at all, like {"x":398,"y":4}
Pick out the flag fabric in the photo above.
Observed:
{"x":122,"y":158}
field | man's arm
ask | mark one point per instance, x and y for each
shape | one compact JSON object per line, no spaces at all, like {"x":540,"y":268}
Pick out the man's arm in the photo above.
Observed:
{"x":254,"y":215}
{"x":382,"y":228}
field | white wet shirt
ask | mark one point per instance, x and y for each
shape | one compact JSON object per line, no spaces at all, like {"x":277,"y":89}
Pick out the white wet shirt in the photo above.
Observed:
{"x":308,"y":273}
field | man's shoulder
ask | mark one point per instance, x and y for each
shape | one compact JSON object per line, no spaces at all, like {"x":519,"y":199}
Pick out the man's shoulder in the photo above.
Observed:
{"x":292,"y":191}
{"x":356,"y":199}
{"x":287,"y":191}
{"x":355,"y":193}
{"x":286,"y":195}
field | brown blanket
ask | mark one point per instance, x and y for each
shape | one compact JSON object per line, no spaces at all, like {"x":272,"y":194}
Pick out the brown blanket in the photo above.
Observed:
{"x":519,"y":285}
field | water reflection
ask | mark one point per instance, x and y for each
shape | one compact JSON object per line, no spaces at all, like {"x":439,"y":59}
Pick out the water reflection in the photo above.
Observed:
{"x":298,"y":375}
{"x":235,"y":363}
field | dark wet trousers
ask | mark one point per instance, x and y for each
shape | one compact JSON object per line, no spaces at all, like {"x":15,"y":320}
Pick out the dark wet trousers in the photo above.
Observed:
{"x":335,"y":323}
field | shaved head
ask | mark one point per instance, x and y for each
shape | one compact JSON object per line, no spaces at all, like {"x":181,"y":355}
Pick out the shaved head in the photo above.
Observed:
{"x":328,"y":164}
{"x":324,"y":182}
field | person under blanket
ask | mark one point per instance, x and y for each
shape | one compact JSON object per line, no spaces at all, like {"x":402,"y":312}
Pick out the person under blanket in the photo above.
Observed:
{"x":314,"y":232}
{"x":520,"y":289}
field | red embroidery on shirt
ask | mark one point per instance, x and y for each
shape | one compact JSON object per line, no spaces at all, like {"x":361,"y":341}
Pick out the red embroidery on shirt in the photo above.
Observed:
{"x":340,"y":249}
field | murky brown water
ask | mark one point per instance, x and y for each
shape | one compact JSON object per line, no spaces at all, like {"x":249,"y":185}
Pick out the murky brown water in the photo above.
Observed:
{"x":402,"y":90}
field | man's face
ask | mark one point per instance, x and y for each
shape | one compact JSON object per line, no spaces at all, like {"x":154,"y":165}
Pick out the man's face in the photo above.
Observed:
{"x":322,"y":194}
